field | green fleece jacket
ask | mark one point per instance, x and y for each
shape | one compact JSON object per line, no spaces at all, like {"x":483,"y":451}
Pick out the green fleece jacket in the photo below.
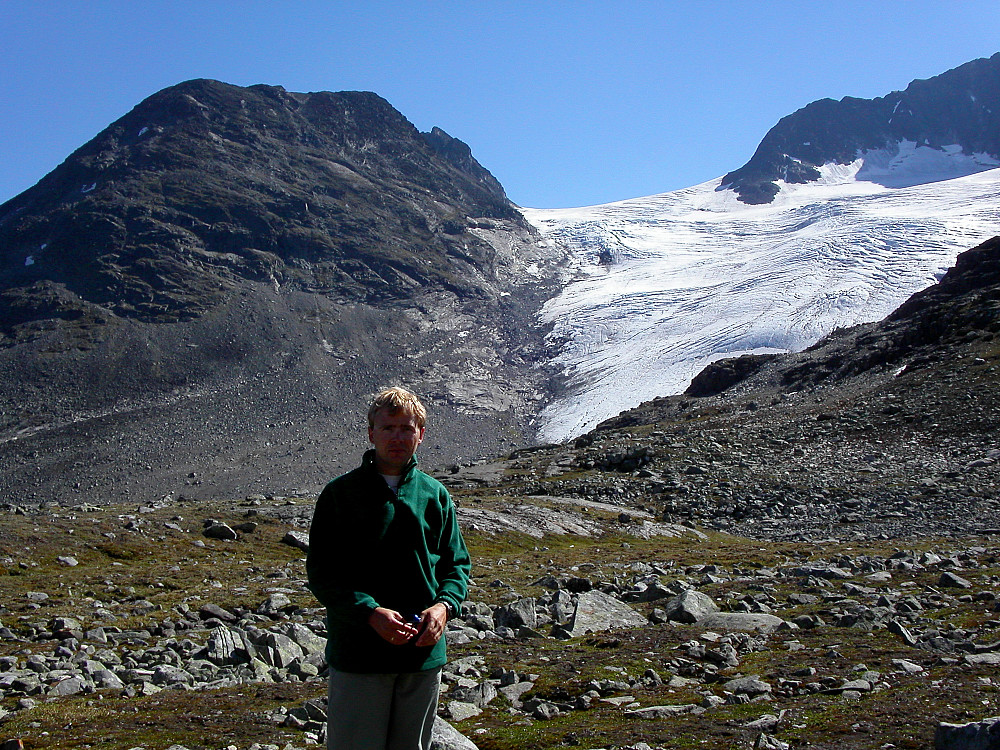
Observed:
{"x":370,"y":547}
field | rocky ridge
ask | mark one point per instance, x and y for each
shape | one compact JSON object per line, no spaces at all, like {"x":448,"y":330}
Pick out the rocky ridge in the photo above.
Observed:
{"x":958,"y":107}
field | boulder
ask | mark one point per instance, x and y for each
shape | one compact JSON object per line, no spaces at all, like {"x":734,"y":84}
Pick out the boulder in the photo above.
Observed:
{"x":597,"y":611}
{"x":519,"y":614}
{"x":977,"y":735}
{"x":280,"y":650}
{"x":751,"y":686}
{"x":662,"y":712}
{"x":304,"y":637}
{"x":297,"y":539}
{"x":767,"y":742}
{"x":742,"y":621}
{"x":220,"y":531}
{"x":480,"y":696}
{"x":274,"y":604}
{"x":460,"y":710}
{"x":991,"y":658}
{"x":209,"y":611}
{"x":166,"y":675}
{"x":446,"y":737}
{"x":69,"y":686}
{"x":950,"y":580}
{"x":227,"y":647}
{"x":691,"y":606}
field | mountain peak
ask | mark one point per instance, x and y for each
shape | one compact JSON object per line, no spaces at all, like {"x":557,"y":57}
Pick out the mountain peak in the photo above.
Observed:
{"x":959,"y":108}
{"x":217,"y":281}
{"x":319,"y":190}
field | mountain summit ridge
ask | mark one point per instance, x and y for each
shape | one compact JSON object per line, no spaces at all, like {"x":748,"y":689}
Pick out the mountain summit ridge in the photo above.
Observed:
{"x":325,"y":191}
{"x":960,"y":107}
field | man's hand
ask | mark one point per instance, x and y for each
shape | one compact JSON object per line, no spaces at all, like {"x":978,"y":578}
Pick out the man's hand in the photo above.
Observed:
{"x":432,"y":622}
{"x":389,"y":624}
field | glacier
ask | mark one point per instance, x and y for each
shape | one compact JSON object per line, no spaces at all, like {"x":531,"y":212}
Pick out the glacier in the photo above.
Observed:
{"x":663,"y":285}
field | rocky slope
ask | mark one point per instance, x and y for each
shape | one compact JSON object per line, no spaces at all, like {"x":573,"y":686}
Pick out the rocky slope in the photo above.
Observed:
{"x":806,"y":557}
{"x":958,"y":108}
{"x":201,"y":298}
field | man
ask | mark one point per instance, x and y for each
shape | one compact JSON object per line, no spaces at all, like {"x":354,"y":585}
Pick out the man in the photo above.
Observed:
{"x":387,"y":560}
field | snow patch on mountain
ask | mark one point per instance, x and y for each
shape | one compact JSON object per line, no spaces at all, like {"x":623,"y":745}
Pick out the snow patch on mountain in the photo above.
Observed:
{"x":666,"y":284}
{"x":907,"y":163}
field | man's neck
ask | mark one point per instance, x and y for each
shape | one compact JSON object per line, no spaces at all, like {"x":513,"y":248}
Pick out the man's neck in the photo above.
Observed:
{"x":389,"y":470}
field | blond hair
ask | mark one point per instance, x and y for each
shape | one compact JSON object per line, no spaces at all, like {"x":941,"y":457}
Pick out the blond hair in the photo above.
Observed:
{"x":397,"y":399}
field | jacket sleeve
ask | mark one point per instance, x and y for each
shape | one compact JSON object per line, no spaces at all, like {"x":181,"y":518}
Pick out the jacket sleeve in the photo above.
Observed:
{"x":453,"y":567}
{"x":327,"y":569}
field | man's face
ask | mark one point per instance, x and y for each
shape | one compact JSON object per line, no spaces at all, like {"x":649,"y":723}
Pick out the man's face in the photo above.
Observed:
{"x":395,"y":436}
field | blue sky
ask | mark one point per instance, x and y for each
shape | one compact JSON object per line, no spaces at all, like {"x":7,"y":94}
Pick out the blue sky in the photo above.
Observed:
{"x":567,"y":103}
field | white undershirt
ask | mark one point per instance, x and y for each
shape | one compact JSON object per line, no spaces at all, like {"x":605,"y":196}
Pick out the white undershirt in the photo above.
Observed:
{"x":392,"y":480}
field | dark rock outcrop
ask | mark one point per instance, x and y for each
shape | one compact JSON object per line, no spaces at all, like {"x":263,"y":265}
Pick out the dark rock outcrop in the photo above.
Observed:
{"x":959,"y":107}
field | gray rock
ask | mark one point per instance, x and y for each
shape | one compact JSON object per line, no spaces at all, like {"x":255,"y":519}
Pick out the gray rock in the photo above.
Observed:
{"x":857,"y":686}
{"x":519,"y":614}
{"x":751,"y":685}
{"x":766,"y":723}
{"x":105,"y":678}
{"x":514,"y":692}
{"x":950,"y":580}
{"x":91,"y":667}
{"x":648,"y":592}
{"x":96,"y":635}
{"x":480,"y":623}
{"x":597,"y":611}
{"x":456,"y":635}
{"x":691,"y":606}
{"x":305,"y":638}
{"x":315,"y":709}
{"x":69,"y":686}
{"x":724,"y":656}
{"x":480,"y":695}
{"x":280,"y":651}
{"x":545,"y":710}
{"x":209,"y":611}
{"x":561,"y":607}
{"x":743,"y":621}
{"x":767,"y":742}
{"x":65,"y":624}
{"x":908,"y":667}
{"x":227,"y":647}
{"x":989,"y":658}
{"x":297,"y":539}
{"x":460,"y":711}
{"x":831,"y":572}
{"x":220,"y":531}
{"x":273,"y":605}
{"x":167,"y":675}
{"x":445,"y":737}
{"x":978,"y":735}
{"x":661,"y":712}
